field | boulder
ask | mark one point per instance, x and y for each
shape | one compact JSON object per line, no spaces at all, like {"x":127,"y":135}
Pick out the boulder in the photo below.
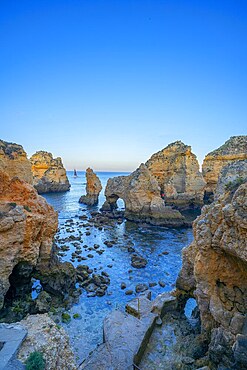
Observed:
{"x":93,"y":188}
{"x":176,"y":170}
{"x":232,"y":150}
{"x":49,"y":174}
{"x":141,"y":194}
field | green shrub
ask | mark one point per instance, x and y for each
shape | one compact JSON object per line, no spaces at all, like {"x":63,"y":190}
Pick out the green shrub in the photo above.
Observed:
{"x":27,"y":208}
{"x":35,"y":361}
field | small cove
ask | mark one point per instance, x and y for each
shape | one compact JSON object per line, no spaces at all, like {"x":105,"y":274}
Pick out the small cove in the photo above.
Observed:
{"x":85,"y":333}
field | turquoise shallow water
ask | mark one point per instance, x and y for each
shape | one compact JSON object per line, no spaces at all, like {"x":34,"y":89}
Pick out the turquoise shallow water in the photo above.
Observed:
{"x":148,"y":241}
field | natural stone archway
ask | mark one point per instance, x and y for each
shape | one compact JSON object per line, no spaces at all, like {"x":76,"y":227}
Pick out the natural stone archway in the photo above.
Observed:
{"x":176,"y":169}
{"x":141,"y":194}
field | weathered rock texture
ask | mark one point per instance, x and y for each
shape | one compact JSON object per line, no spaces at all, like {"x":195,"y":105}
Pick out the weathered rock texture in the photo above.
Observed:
{"x":44,"y":336}
{"x":234,"y":173}
{"x":93,"y":188}
{"x":233,"y":150}
{"x":49,"y":175}
{"x":27,"y":228}
{"x":215,"y":272}
{"x":141,"y":194}
{"x":177,"y":171}
{"x":14,"y":162}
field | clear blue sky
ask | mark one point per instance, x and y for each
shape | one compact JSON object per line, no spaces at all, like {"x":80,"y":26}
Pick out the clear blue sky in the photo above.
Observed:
{"x":106,"y":83}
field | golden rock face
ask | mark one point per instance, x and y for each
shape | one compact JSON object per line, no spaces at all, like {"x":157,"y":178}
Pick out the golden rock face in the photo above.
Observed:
{"x":233,"y":150}
{"x":215,"y":268}
{"x":177,"y":171}
{"x":14,"y":161}
{"x":49,"y":174}
{"x":27,"y":227}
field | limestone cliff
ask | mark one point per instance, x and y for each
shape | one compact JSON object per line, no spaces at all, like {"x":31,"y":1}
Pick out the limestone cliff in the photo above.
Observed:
{"x":215,"y":272}
{"x":177,"y":171}
{"x":232,"y":150}
{"x":49,"y":174}
{"x":14,"y":162}
{"x":141,"y":194}
{"x":93,"y":188}
{"x":27,"y":228}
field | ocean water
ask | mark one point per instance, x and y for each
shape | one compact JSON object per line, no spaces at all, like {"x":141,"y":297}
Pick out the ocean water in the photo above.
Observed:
{"x":148,"y":241}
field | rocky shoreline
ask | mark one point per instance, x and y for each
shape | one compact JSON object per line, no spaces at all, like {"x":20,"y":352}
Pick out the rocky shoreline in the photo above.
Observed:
{"x":157,"y":193}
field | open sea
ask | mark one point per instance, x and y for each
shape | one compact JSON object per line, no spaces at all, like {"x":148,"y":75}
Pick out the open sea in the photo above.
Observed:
{"x":148,"y":241}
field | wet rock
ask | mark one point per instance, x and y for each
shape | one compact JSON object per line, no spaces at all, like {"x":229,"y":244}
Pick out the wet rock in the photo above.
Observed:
{"x":162,"y":283}
{"x":129,"y":292}
{"x":138,"y":261}
{"x":43,"y":302}
{"x":152,"y":284}
{"x":123,"y":286}
{"x":141,"y":288}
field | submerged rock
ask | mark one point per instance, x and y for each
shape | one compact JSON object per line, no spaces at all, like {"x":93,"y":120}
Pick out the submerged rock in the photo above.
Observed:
{"x":176,"y":169}
{"x":141,"y":194}
{"x":93,"y":188}
{"x":215,"y":273}
{"x":232,"y":150}
{"x":49,"y":174}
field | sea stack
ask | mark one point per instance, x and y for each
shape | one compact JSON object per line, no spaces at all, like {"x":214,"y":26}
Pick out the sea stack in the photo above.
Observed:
{"x":215,"y":273}
{"x":232,"y":150}
{"x":14,"y":161}
{"x":93,"y":188}
{"x":176,"y":169}
{"x":141,"y":194}
{"x":49,"y":174}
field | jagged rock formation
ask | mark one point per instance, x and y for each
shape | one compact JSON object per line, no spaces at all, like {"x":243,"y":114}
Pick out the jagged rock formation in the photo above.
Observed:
{"x":44,"y":336}
{"x":141,"y":194}
{"x":27,"y":227}
{"x":177,"y":171}
{"x":215,"y":272}
{"x":93,"y":188}
{"x":232,"y":150}
{"x":14,"y":162}
{"x":49,"y":175}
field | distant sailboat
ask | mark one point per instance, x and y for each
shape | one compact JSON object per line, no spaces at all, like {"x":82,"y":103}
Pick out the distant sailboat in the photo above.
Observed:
{"x":75,"y":173}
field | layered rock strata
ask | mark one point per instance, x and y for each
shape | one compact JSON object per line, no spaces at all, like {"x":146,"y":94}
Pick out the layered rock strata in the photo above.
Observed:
{"x":14,"y":162}
{"x":93,"y":188}
{"x":141,"y":194}
{"x":49,"y":174}
{"x":177,"y":171}
{"x":215,"y":273}
{"x":27,"y":227}
{"x":232,"y":150}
